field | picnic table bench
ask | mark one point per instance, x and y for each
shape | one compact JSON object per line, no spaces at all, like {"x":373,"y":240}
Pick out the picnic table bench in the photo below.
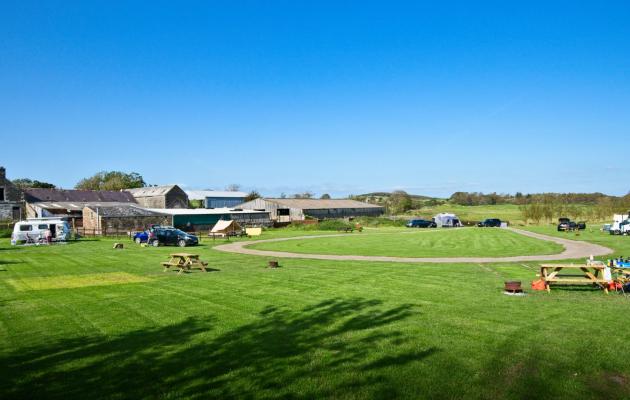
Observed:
{"x":347,"y":230}
{"x":585,"y":275}
{"x":184,"y":261}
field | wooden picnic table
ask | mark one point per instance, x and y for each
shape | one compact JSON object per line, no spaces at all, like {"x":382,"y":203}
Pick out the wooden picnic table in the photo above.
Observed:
{"x":184,"y":261}
{"x":586,"y":275}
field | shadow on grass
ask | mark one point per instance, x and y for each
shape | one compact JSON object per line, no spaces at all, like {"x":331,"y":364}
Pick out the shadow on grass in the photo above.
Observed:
{"x":326,"y":350}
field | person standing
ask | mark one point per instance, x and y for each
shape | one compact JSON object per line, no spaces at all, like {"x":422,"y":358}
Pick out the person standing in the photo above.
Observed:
{"x":48,"y":235}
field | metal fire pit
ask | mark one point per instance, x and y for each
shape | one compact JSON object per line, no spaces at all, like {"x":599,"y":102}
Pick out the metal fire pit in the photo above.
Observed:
{"x":273,"y":264}
{"x":513,"y":287}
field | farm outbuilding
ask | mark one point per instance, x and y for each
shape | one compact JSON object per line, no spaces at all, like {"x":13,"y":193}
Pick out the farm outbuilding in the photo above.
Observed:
{"x":98,"y":220}
{"x":287,"y":210}
{"x":10,"y":199}
{"x":70,"y":203}
{"x":170,"y":196}
{"x":217,"y":198}
{"x":201,"y":219}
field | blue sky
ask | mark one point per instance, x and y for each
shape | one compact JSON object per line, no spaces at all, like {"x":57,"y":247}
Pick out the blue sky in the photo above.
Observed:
{"x":337,"y":97}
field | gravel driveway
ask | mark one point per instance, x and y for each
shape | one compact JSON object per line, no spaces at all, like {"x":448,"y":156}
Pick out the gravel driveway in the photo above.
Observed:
{"x":573,"y":249}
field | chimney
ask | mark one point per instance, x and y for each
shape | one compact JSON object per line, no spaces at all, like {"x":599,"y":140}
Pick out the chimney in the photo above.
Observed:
{"x":3,"y":174}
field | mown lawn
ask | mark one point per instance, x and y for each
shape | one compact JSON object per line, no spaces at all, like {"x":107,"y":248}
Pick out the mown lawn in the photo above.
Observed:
{"x":85,"y":321}
{"x":463,"y":242}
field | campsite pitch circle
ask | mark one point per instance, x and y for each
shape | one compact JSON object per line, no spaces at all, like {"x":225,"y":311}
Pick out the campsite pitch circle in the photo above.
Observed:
{"x":572,"y":250}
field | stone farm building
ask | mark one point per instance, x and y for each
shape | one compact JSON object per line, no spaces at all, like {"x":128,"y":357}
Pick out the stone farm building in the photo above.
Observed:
{"x":70,"y":203}
{"x":216,"y":198}
{"x":170,"y":196}
{"x":10,"y":199}
{"x":287,"y":210}
{"x":116,"y":218}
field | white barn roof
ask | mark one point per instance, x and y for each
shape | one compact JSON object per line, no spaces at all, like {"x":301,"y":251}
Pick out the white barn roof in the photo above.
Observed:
{"x":202,"y":194}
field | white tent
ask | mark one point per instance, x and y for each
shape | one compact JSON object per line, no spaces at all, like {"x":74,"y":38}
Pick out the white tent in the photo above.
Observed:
{"x":447,"y":220}
{"x":223,"y":227}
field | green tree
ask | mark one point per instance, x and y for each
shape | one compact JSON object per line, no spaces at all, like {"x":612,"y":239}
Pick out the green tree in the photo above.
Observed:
{"x":325,"y":196}
{"x":111,"y":180}
{"x":399,"y":202}
{"x":253,"y":195}
{"x":25,"y":183}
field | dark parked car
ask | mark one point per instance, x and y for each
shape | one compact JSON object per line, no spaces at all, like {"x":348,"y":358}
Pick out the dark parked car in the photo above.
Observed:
{"x":565,"y":224}
{"x":420,"y":223}
{"x":490,"y":222}
{"x":143,"y":237}
{"x":166,"y":236}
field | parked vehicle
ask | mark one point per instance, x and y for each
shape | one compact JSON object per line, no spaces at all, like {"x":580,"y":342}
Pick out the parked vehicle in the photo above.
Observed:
{"x":34,"y":230}
{"x":420,"y":223}
{"x":143,"y":236}
{"x":620,"y":227}
{"x":490,"y":223}
{"x":169,"y":236}
{"x":565,"y":224}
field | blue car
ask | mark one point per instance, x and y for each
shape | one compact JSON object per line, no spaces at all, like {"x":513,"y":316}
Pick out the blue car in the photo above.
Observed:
{"x":141,"y":237}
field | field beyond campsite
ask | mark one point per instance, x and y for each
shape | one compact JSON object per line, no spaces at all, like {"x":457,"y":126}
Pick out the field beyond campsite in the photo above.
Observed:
{"x":83,"y":320}
{"x":463,"y":242}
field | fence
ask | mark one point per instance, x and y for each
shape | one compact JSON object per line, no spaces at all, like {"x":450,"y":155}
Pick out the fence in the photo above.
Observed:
{"x":80,"y":231}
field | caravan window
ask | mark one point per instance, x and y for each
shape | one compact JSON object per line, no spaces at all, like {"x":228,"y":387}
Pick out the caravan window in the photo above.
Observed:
{"x":42,"y":226}
{"x":26,"y":228}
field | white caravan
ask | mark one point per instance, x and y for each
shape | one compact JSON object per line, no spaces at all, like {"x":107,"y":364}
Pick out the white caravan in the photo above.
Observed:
{"x":621,"y":225}
{"x":34,"y":230}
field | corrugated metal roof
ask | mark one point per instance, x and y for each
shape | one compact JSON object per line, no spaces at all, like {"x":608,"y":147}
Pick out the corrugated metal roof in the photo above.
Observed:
{"x":150,"y":191}
{"x":319,"y":204}
{"x":123,"y":210}
{"x":56,"y":195}
{"x":202,"y":194}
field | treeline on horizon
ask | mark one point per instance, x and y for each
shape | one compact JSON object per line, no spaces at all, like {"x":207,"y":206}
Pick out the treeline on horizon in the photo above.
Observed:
{"x":549,"y":206}
{"x":481,"y":199}
{"x":533,"y":206}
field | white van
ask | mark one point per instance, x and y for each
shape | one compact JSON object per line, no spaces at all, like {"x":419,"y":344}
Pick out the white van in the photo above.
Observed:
{"x":34,"y":230}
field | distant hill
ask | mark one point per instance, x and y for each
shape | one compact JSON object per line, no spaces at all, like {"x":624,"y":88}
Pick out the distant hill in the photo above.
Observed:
{"x":384,"y":195}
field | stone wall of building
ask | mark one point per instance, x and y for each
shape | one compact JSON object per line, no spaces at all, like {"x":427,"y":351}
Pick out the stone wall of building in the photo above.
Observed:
{"x":11,"y":199}
{"x":152,"y":202}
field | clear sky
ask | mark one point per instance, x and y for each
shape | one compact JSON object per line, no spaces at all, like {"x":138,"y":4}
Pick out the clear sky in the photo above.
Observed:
{"x":338,"y":97}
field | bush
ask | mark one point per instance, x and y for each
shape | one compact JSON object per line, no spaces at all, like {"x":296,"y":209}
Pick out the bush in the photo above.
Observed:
{"x":5,"y":233}
{"x":326,"y":225}
{"x":377,"y":222}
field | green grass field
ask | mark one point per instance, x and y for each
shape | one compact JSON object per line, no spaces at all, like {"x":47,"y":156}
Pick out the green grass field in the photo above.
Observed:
{"x":466,"y":242}
{"x":83,"y":320}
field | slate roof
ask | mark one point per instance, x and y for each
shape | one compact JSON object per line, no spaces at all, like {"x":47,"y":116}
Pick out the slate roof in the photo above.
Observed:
{"x":81,"y":196}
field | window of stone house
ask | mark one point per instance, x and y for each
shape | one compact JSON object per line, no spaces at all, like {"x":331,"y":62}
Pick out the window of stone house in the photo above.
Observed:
{"x":2,"y":194}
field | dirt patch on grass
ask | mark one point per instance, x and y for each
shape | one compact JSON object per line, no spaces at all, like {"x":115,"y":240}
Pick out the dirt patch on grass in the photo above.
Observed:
{"x":75,"y":281}
{"x":612,"y":385}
